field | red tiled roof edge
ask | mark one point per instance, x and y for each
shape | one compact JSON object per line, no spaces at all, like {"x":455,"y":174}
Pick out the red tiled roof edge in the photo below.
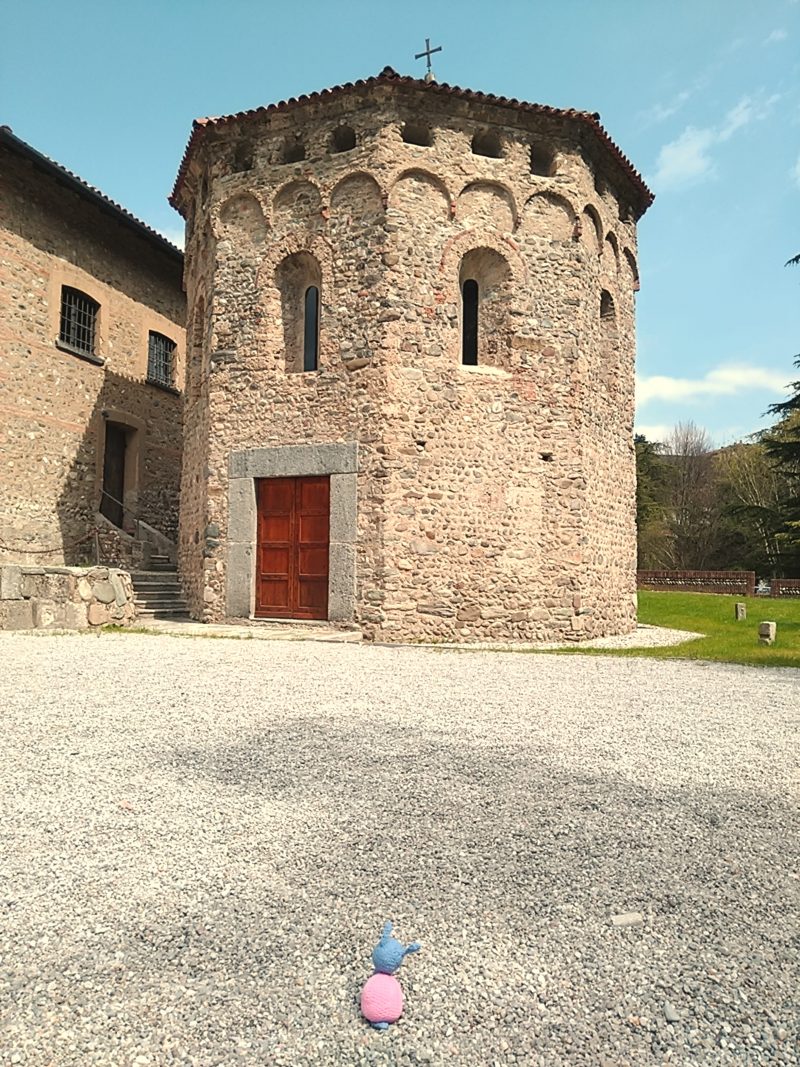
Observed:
{"x":388,"y":76}
{"x":90,"y":192}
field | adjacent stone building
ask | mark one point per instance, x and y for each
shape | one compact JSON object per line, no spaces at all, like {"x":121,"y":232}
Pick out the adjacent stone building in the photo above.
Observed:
{"x":410,"y":383}
{"x":92,"y":347}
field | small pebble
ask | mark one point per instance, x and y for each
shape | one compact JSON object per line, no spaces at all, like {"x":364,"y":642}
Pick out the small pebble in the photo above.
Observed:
{"x":670,"y":1014}
{"x":628,"y":918}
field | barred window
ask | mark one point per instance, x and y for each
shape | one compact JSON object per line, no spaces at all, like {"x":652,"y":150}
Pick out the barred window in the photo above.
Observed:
{"x":78,"y":320}
{"x":160,"y":357}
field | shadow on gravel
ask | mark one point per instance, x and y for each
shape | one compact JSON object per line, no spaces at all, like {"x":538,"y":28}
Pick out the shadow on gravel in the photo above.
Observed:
{"x":509,"y":869}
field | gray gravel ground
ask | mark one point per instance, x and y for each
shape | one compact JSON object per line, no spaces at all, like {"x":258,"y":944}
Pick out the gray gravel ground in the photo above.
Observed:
{"x":202,"y":839}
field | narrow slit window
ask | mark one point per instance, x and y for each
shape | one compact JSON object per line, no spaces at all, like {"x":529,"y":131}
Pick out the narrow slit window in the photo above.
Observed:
{"x":311,"y":329}
{"x":469,"y":323}
{"x":78,"y":321}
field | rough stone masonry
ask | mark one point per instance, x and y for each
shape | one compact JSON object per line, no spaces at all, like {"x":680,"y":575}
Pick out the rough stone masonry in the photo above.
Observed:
{"x":484,"y":502}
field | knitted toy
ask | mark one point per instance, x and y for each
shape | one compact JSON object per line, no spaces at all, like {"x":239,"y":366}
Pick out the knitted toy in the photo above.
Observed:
{"x":382,"y":996}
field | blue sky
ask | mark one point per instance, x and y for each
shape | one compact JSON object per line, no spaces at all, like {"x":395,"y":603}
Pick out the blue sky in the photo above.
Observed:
{"x":703,"y":96}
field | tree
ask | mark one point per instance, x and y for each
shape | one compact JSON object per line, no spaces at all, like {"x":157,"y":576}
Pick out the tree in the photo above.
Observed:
{"x":752,"y":491}
{"x":694,"y":516}
{"x":782,"y":444}
{"x":652,"y":495}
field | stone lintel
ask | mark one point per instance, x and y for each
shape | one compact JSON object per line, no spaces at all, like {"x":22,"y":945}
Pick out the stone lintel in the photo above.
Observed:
{"x":295,"y":461}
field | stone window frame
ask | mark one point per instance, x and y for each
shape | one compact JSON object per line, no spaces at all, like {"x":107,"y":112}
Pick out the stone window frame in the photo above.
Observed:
{"x":66,"y":276}
{"x":337,"y":460}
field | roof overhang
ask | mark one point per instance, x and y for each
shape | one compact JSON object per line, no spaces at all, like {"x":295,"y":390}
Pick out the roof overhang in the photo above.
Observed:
{"x":389,"y":77}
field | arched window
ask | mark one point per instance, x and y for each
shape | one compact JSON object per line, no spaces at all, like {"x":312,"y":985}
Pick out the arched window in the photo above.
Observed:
{"x":242,"y":157}
{"x":543,"y":160}
{"x":311,"y":328}
{"x":299,"y":280}
{"x":487,"y":143}
{"x":343,"y":139}
{"x":416,"y":133}
{"x":485,"y":283}
{"x":293,"y":150}
{"x":469,"y":323}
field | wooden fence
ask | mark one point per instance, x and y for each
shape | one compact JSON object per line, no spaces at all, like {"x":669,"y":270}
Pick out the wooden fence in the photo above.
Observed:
{"x":740,"y":583}
{"x":784,"y":587}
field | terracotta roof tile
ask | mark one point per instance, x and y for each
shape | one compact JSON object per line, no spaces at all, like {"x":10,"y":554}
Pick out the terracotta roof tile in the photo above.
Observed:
{"x":389,"y":76}
{"x":89,"y":192}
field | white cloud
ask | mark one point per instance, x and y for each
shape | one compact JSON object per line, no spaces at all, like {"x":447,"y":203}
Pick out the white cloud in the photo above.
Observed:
{"x":688,"y":160}
{"x":653,"y":431}
{"x":776,"y":37}
{"x":722,"y":381}
{"x":660,"y":112}
{"x":685,"y":160}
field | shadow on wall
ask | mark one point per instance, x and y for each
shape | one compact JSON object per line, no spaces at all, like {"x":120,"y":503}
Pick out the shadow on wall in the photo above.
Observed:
{"x":127,"y":466}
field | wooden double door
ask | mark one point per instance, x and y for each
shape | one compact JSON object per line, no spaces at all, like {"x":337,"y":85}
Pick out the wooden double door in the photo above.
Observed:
{"x":292,"y":550}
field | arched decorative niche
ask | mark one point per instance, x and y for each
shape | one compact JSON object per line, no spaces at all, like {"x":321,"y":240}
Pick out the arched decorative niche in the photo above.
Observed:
{"x":592,"y":229}
{"x":487,"y":143}
{"x":343,"y":139}
{"x":608,"y":310}
{"x":610,"y":256}
{"x":241,"y":217}
{"x":487,"y":205}
{"x":486,"y":291}
{"x":421,"y":194}
{"x":633,"y":269}
{"x":356,"y":198}
{"x":550,"y":216}
{"x":542,"y":160}
{"x":298,"y":278}
{"x":297,"y":203}
{"x":196,"y":345}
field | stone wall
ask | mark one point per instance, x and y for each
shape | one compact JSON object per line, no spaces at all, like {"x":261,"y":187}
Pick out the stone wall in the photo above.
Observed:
{"x":64,"y":598}
{"x":496,"y":501}
{"x":54,"y":404}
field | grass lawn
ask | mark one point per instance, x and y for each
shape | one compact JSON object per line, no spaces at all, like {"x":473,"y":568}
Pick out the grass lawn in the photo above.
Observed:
{"x":726,"y":640}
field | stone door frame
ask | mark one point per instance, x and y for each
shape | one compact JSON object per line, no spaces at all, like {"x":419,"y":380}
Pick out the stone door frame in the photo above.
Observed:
{"x":340,"y":461}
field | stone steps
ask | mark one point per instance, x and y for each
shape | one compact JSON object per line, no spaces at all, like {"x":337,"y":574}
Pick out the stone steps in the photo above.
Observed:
{"x":157,"y":591}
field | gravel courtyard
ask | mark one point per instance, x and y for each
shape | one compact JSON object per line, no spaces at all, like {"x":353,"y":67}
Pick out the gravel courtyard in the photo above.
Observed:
{"x":200,"y":841}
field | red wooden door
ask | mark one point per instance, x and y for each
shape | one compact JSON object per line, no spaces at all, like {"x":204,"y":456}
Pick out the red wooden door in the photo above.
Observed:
{"x":292,"y":556}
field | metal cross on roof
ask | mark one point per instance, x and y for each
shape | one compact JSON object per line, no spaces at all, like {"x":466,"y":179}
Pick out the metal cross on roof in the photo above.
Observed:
{"x":429,"y":76}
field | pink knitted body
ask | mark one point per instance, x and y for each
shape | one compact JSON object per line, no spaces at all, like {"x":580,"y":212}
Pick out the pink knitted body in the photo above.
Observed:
{"x":382,"y":999}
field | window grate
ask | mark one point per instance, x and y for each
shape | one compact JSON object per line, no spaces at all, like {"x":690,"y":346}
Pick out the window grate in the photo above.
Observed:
{"x":160,"y":357}
{"x":78,"y":320}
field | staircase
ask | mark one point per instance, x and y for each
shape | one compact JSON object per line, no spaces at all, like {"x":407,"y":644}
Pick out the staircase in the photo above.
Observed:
{"x":157,"y":591}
